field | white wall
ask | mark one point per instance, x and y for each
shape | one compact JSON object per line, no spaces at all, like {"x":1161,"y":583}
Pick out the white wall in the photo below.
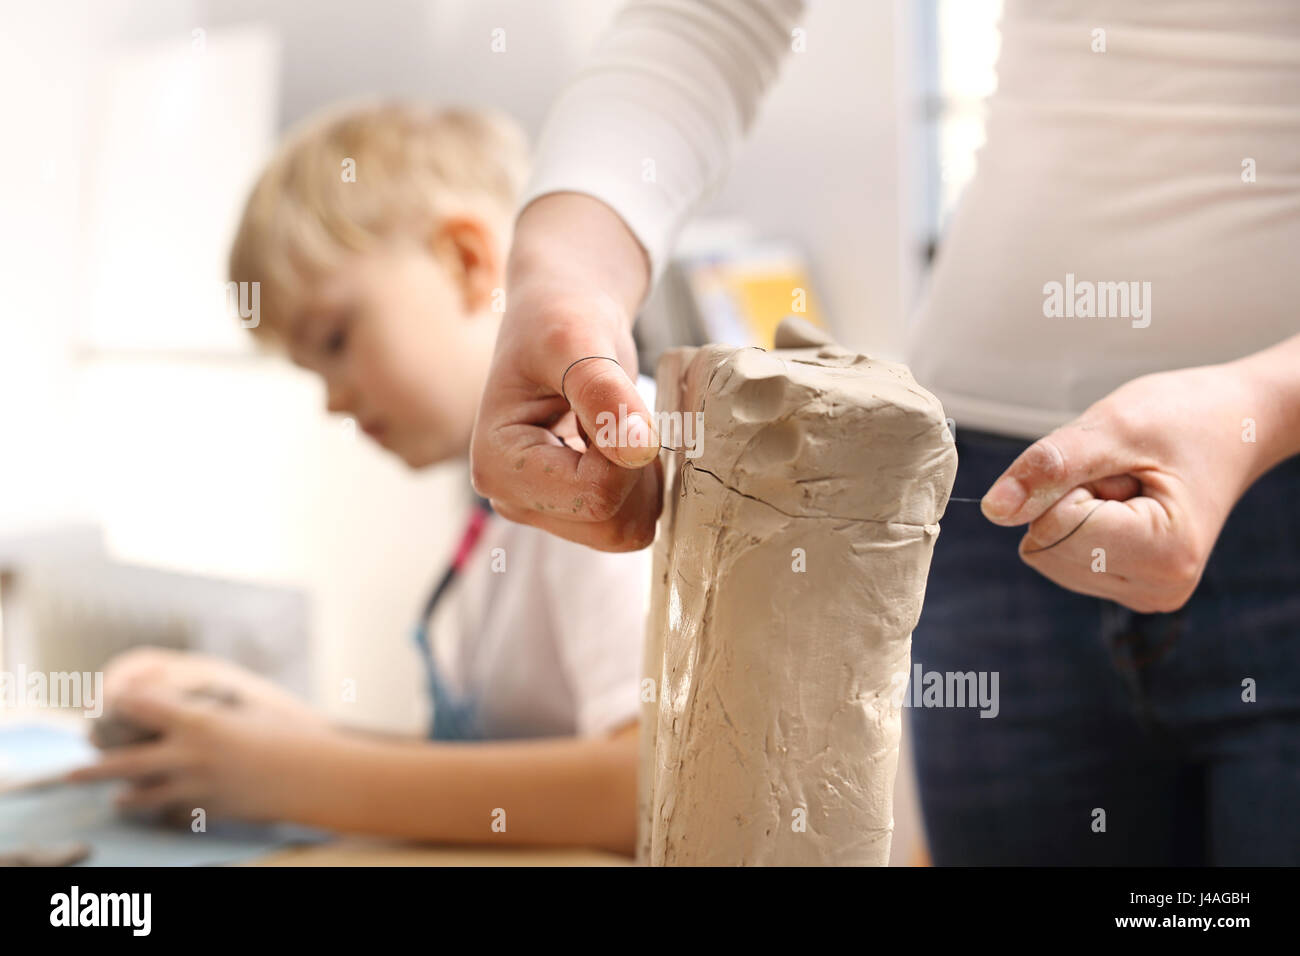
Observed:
{"x":39,"y":257}
{"x":228,"y":467}
{"x":821,"y":166}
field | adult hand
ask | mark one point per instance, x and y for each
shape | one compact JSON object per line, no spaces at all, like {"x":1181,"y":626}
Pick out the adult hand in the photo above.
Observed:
{"x":575,"y":279}
{"x":1126,"y":502}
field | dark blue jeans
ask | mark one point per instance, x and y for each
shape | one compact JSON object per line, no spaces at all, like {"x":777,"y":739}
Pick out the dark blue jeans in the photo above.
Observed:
{"x":1139,"y":715}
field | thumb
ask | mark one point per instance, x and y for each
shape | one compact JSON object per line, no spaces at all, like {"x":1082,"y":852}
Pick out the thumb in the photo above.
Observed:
{"x":1070,"y":457}
{"x":610,"y":410}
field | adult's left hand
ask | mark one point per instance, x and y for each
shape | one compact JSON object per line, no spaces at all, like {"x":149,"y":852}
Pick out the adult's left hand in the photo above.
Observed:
{"x":1126,"y":501}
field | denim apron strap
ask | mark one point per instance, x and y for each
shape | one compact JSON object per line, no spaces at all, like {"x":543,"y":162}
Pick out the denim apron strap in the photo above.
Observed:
{"x":454,"y":718}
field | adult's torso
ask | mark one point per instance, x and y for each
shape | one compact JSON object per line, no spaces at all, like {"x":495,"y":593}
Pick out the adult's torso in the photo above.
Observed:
{"x":1172,"y":158}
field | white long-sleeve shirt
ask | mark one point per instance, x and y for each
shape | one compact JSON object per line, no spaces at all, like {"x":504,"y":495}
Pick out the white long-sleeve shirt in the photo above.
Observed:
{"x":649,"y":124}
{"x":1136,"y":206}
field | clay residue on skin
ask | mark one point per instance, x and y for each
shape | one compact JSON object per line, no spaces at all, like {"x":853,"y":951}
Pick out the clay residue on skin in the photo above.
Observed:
{"x":774,"y":734}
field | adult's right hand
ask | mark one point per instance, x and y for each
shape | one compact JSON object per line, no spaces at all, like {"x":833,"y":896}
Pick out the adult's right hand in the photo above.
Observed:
{"x":570,"y":448}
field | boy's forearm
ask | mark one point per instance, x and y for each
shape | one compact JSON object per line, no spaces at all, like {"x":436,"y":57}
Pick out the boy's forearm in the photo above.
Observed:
{"x":553,"y":792}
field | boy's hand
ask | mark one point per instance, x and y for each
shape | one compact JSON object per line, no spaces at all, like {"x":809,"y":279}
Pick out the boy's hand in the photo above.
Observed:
{"x":186,"y":671}
{"x":240,"y":761}
{"x":575,"y":279}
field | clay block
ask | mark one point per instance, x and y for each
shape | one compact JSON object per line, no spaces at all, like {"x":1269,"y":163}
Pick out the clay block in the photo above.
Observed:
{"x":790,"y":567}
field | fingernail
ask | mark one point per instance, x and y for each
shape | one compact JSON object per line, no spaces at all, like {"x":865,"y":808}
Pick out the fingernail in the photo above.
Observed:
{"x":641,"y":437}
{"x":1004,"y":499}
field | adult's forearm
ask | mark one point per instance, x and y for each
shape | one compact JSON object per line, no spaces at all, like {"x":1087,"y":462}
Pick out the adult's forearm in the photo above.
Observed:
{"x":650,"y":123}
{"x":554,"y":792}
{"x":578,"y":243}
{"x":1273,"y":375}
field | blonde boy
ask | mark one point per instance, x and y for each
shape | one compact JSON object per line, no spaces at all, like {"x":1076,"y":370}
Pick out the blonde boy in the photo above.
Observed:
{"x":379,"y":237}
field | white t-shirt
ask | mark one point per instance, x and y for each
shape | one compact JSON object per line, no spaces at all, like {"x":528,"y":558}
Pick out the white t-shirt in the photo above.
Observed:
{"x":550,"y":645}
{"x":1172,"y":158}
{"x":542,"y":637}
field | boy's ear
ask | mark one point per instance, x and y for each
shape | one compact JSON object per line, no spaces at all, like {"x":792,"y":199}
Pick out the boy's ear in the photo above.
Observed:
{"x":467,"y":248}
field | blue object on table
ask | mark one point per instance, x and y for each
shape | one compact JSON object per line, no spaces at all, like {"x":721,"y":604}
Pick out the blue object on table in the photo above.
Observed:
{"x":36,"y":751}
{"x":60,"y":815}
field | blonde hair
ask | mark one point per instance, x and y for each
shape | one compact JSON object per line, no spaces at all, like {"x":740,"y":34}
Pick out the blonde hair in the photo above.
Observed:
{"x":411,"y":167}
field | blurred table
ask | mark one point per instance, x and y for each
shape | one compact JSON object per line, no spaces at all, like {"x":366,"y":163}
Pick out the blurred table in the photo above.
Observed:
{"x":362,"y":851}
{"x":357,"y":851}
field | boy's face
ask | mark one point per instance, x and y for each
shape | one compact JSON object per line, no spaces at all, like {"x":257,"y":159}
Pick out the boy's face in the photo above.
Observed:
{"x":400,"y":349}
